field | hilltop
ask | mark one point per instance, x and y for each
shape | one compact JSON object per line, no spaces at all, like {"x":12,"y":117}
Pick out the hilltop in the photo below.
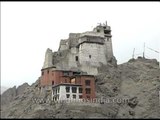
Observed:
{"x":137,"y":80}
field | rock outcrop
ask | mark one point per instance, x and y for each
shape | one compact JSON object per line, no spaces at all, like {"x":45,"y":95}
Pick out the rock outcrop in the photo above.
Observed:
{"x":137,"y":82}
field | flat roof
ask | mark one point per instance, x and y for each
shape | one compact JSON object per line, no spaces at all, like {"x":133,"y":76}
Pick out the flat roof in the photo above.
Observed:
{"x":48,"y":68}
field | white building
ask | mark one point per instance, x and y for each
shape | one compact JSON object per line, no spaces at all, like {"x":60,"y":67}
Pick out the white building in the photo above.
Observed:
{"x":67,"y":91}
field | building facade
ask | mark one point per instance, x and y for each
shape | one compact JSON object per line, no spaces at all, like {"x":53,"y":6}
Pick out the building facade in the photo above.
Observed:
{"x":69,"y":72}
{"x":68,"y":84}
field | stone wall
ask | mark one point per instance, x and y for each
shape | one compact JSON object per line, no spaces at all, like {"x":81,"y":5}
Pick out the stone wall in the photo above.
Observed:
{"x":92,"y":54}
{"x":48,"y":59}
{"x":91,"y":49}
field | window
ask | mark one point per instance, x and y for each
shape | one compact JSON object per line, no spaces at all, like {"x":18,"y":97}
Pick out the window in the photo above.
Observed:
{"x":58,"y":89}
{"x":42,"y":73}
{"x":98,"y":30}
{"x":68,"y":95}
{"x":65,"y":73}
{"x":57,"y":96}
{"x":89,"y":56}
{"x":76,"y":58}
{"x":74,"y":96}
{"x":67,"y":89}
{"x":74,"y":90}
{"x":80,"y":96}
{"x":88,"y":82}
{"x":107,"y":39}
{"x":73,"y":81}
{"x":48,"y":71}
{"x":80,"y":90}
{"x":52,"y":82}
{"x":76,"y":73}
{"x":88,"y":91}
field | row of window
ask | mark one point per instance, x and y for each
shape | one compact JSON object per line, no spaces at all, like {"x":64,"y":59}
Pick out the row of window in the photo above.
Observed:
{"x":68,"y":96}
{"x":74,"y":90}
{"x":47,"y":72}
{"x":67,"y":73}
{"x":73,"y":81}
{"x":73,"y":96}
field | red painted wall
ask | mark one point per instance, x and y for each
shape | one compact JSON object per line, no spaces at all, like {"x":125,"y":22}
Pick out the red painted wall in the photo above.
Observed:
{"x":57,"y":77}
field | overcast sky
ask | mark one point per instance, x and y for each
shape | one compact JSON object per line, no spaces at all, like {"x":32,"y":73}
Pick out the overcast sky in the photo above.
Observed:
{"x":29,"y":28}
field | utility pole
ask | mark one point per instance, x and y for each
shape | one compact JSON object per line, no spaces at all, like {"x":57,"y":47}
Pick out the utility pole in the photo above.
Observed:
{"x":156,"y":52}
{"x":144,"y":51}
{"x":133,"y":53}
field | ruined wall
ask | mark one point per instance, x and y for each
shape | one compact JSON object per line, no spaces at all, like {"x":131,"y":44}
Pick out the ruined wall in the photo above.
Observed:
{"x":108,"y":48}
{"x":48,"y":59}
{"x":91,"y":56}
{"x":63,"y":45}
{"x":83,"y":51}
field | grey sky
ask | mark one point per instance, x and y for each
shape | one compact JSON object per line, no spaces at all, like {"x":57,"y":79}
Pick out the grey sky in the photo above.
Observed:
{"x":29,"y":28}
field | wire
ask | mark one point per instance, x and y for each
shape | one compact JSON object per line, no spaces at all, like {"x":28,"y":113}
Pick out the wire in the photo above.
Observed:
{"x":153,"y":50}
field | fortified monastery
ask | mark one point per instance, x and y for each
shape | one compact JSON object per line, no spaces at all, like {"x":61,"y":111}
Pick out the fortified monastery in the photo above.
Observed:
{"x":69,"y":73}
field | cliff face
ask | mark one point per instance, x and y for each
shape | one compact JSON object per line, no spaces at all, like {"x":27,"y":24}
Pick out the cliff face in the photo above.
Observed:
{"x":137,"y":81}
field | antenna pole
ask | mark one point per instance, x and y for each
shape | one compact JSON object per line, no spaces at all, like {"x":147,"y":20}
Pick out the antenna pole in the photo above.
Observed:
{"x":144,"y":51}
{"x":133,"y":53}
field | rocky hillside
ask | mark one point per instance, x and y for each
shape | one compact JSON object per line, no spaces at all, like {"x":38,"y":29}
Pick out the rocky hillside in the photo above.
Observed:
{"x":129,"y":90}
{"x":3,"y":88}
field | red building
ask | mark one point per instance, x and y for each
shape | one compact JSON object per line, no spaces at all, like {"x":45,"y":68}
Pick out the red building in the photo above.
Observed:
{"x":61,"y":79}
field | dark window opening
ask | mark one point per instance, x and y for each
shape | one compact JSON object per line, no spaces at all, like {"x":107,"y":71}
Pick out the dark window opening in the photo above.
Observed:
{"x":89,"y":56}
{"x":42,"y":73}
{"x":76,"y":73}
{"x":67,"y":96}
{"x":98,"y":30}
{"x":107,"y":32}
{"x":80,"y":90}
{"x":65,"y":73}
{"x":67,"y":89}
{"x":88,"y":82}
{"x":88,"y":91}
{"x":52,"y":82}
{"x":76,"y":58}
{"x":58,"y":89}
{"x":48,"y":71}
{"x":74,"y":90}
{"x":80,"y":96}
{"x":74,"y":96}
